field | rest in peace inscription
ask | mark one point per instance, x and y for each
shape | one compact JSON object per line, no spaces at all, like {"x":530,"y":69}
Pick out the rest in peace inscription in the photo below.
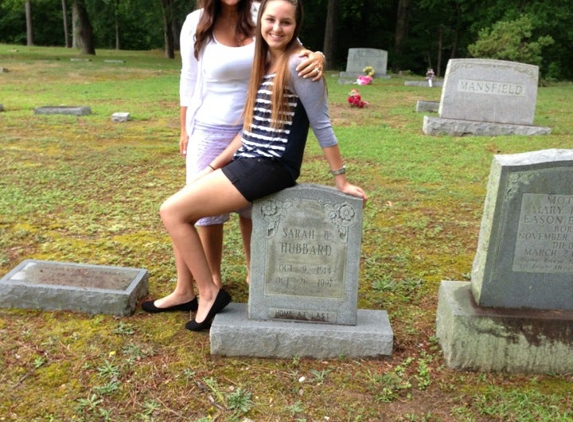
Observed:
{"x":306,"y":247}
{"x":545,"y":234}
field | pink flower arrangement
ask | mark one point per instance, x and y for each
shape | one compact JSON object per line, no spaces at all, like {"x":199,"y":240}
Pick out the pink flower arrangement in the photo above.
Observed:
{"x":364,"y":80}
{"x":355,"y":100}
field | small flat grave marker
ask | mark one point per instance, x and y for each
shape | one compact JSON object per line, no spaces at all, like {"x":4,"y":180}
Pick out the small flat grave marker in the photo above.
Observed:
{"x":93,"y":289}
{"x":69,"y":110}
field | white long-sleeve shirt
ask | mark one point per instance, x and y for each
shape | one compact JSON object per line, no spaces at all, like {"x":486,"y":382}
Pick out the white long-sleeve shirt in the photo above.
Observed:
{"x":213,"y":88}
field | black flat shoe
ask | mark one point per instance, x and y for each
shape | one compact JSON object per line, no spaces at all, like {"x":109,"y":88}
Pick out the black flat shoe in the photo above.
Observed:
{"x":223,"y":299}
{"x":150,"y":307}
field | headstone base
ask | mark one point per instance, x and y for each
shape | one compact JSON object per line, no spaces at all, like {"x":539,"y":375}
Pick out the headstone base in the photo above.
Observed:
{"x":453,"y":127}
{"x":501,"y":340}
{"x":428,"y":106}
{"x":55,"y":286}
{"x":233,"y":334}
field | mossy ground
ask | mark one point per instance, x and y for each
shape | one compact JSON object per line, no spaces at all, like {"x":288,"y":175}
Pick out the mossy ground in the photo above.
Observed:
{"x":85,"y":189}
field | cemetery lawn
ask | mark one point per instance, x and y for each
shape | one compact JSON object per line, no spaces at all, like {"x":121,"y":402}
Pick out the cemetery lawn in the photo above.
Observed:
{"x":87,"y":190}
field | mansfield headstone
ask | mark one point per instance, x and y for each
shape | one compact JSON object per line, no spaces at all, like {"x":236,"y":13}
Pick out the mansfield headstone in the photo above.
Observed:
{"x":304,"y":282}
{"x":516,"y":315}
{"x":49,"y":285}
{"x":484,"y":96}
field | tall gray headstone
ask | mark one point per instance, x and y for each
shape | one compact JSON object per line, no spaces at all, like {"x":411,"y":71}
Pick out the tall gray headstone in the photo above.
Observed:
{"x":525,"y":251}
{"x":516,"y":315}
{"x":359,"y":58}
{"x":487,"y":97}
{"x":305,"y":260}
{"x":305,"y":265}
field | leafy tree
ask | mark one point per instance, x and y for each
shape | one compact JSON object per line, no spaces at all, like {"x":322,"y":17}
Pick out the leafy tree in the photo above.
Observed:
{"x":510,"y":40}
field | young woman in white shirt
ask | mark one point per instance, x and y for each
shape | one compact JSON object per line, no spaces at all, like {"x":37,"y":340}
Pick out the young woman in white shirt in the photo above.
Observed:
{"x":217,"y":50}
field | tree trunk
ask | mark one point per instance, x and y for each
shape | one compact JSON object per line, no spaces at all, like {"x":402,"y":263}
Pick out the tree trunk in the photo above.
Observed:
{"x":29,"y":32}
{"x":66,"y":29}
{"x":168,"y":28}
{"x":330,"y":33}
{"x":117,"y":44}
{"x":402,"y":22}
{"x":83,"y":37}
{"x":440,"y":47}
{"x":456,"y":41}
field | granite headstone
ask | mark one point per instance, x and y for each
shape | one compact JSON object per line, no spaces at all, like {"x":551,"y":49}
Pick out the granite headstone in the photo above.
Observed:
{"x":305,"y":266}
{"x":487,"y":97}
{"x":360,"y":58}
{"x":304,"y":282}
{"x":516,"y":315}
{"x":525,"y":250}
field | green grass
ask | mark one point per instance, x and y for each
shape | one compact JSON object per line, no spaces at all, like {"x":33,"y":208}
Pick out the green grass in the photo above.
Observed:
{"x":85,"y":189}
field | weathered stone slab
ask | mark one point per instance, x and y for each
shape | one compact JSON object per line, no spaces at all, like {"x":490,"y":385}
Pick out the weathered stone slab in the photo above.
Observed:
{"x":429,"y":106}
{"x":114,"y":61}
{"x":494,"y":91}
{"x":93,"y":289}
{"x":71,"y":110}
{"x":435,"y":83}
{"x":234,"y":334}
{"x":438,"y":126}
{"x":502,"y":340}
{"x":120,"y":117}
{"x":359,"y":58}
{"x":525,"y":249}
{"x":306,"y":256}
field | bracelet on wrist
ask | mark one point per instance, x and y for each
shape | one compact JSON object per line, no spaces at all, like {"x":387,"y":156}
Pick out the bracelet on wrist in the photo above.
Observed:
{"x":341,"y":170}
{"x":322,"y":54}
{"x":212,"y":168}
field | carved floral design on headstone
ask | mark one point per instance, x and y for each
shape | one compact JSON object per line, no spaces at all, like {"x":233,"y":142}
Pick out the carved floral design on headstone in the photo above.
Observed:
{"x":342,"y":216}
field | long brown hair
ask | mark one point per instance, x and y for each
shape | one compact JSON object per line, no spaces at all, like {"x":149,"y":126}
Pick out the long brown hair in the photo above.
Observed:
{"x":211,"y":10}
{"x":279,"y":105}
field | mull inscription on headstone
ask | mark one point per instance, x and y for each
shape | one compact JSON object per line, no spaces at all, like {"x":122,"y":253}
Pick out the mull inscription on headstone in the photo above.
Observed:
{"x":306,"y":260}
{"x":545,"y":234}
{"x":78,"y":287}
{"x":525,"y":248}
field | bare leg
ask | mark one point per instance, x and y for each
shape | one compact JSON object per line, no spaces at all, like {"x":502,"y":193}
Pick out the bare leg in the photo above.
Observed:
{"x":179,"y":214}
{"x":183,"y":289}
{"x":212,"y":240}
{"x":246,"y":225}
